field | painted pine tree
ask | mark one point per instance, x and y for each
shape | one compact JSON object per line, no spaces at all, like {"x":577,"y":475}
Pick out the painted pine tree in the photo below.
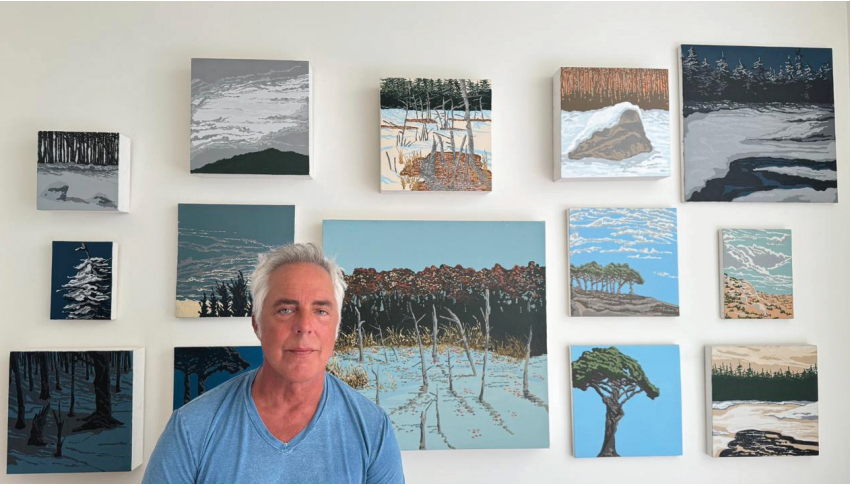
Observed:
{"x":90,"y":290}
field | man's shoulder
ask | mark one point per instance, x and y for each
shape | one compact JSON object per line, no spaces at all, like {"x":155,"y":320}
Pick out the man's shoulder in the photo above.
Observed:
{"x":355,"y":402}
{"x":203,"y":410}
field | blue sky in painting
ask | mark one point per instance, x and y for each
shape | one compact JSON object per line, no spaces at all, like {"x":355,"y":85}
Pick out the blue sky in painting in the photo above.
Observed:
{"x":385,"y":245}
{"x":65,"y":258}
{"x":645,"y":239}
{"x":649,"y":427}
{"x":764,"y":258}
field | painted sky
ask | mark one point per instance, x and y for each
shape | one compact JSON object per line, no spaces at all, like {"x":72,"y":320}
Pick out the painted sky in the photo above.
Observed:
{"x":65,"y":258}
{"x":241,"y":106}
{"x":385,"y":245}
{"x":769,"y":56}
{"x":645,"y":239}
{"x":649,"y":427}
{"x":768,"y":358}
{"x":764,"y":258}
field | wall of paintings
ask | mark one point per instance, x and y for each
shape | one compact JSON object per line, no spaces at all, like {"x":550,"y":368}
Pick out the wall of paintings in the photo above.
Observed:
{"x":590,"y":216}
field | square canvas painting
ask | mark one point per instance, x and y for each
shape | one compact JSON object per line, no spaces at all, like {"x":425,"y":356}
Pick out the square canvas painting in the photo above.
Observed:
{"x":758,"y":124}
{"x":757,"y":273}
{"x":623,"y":262}
{"x":250,"y":117}
{"x":444,"y":326}
{"x":625,"y":401}
{"x":763,"y":401}
{"x":435,"y":135}
{"x":611,"y":123}
{"x":218,"y":245}
{"x":83,"y":171}
{"x":199,"y":369}
{"x":83,"y":280}
{"x":75,"y":411}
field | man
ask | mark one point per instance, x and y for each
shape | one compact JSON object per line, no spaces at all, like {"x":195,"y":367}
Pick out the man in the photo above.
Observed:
{"x":289,"y":421}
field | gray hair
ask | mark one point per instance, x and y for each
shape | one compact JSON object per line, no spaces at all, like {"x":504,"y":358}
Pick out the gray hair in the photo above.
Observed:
{"x":290,"y":254}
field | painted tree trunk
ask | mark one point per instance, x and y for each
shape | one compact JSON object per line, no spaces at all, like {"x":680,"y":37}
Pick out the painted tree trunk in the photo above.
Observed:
{"x":450,"y":368}
{"x":20,"y":422}
{"x":45,"y":382}
{"x":485,"y":314}
{"x":102,"y":417}
{"x":30,"y":364}
{"x":434,"y":335}
{"x":360,"y":336}
{"x":614,"y":413}
{"x":73,"y":358}
{"x":437,"y":410}
{"x":527,"y":365}
{"x":186,"y":393}
{"x":118,"y":371}
{"x":455,"y":319}
{"x":422,"y":358}
{"x":37,"y":428}
{"x":423,"y":430}
{"x":55,"y":362}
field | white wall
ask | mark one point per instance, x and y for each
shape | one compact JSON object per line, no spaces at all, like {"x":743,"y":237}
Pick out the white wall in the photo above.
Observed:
{"x":126,"y":68}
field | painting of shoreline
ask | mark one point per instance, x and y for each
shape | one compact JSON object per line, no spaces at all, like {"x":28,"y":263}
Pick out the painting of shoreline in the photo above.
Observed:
{"x":757,"y":273}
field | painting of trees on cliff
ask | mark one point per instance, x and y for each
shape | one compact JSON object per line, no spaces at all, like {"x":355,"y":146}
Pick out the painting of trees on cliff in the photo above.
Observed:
{"x":758,"y":124}
{"x":74,"y":411}
{"x":199,"y":369}
{"x":218,"y":246}
{"x":764,"y":401}
{"x":444,"y":326}
{"x":611,"y":123}
{"x":83,"y":171}
{"x":82,"y":280}
{"x":250,"y":116}
{"x":757,"y":273}
{"x":626,"y":401}
{"x":623,"y":262}
{"x":435,"y":135}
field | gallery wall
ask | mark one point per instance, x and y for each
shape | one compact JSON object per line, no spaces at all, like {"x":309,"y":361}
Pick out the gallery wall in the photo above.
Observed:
{"x":126,"y":68}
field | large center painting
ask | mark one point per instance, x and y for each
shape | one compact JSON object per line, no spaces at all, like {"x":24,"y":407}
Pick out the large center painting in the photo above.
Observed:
{"x":444,"y":326}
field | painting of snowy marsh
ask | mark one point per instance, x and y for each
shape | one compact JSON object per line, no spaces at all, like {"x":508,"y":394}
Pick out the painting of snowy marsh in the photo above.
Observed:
{"x":764,"y":401}
{"x":250,"y":117}
{"x":83,"y":280}
{"x":757,"y":273}
{"x":218,"y":246}
{"x":83,"y":171}
{"x":444,"y":326}
{"x":435,"y":135}
{"x":75,"y":411}
{"x":612,"y":123}
{"x":758,"y":124}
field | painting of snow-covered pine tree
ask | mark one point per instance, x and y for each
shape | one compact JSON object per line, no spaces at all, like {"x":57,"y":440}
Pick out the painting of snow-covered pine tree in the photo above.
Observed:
{"x":83,"y":279}
{"x":611,"y":123}
{"x":758,"y":124}
{"x":83,"y":171}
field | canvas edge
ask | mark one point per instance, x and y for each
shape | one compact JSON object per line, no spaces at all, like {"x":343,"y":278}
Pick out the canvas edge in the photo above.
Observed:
{"x":722,"y":293}
{"x":138,"y":429}
{"x":708,"y":398}
{"x":124,"y":167}
{"x":682,"y":123}
{"x":557,"y":125}
{"x":113,"y":311}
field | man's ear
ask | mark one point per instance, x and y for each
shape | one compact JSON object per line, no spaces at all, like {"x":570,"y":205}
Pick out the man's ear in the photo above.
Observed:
{"x":256,"y":326}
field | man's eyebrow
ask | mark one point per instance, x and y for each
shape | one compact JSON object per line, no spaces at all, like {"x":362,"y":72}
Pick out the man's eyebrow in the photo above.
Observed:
{"x":285,"y":301}
{"x":326,"y":303}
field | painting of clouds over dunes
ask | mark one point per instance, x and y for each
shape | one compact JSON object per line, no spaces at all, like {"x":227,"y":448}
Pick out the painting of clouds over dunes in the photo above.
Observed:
{"x":757,"y":274}
{"x":250,"y":117}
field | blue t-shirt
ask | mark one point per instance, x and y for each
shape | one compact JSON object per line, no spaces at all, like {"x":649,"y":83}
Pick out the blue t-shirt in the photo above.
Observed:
{"x":220,"y":438}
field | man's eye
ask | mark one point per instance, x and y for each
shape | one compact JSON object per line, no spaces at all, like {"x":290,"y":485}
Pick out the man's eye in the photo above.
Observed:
{"x":323,"y":312}
{"x":285,"y":311}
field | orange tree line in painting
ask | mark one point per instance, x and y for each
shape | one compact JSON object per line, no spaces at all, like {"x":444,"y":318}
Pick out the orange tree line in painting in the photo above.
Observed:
{"x":586,"y":89}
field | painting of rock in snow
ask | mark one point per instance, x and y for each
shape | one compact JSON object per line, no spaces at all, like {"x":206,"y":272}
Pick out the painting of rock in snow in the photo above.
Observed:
{"x":625,"y":401}
{"x":199,"y":369}
{"x":444,"y":326}
{"x":250,"y":117}
{"x":83,"y":280}
{"x":75,"y":411}
{"x":83,"y":171}
{"x":218,"y":246}
{"x":435,"y":135}
{"x":757,"y":273}
{"x":758,"y":124}
{"x":764,"y":401}
{"x":623,"y":262}
{"x":611,"y":123}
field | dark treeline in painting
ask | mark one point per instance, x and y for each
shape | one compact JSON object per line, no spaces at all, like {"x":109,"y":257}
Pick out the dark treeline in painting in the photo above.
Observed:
{"x":752,"y":81}
{"x":204,"y":362}
{"x":498,"y":308}
{"x":95,"y":148}
{"x":424,"y":95}
{"x":227,"y":299}
{"x":585,"y":89}
{"x":744,"y":383}
{"x":609,"y":279}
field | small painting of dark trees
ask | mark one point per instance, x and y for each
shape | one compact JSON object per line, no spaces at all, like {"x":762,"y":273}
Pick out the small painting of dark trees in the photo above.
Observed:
{"x":87,"y":394}
{"x":85,"y":148}
{"x":209,"y":367}
{"x":617,"y":378}
{"x":82,"y":286}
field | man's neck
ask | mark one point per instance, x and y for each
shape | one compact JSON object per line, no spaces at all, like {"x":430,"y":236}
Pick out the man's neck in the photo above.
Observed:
{"x":286,"y":408}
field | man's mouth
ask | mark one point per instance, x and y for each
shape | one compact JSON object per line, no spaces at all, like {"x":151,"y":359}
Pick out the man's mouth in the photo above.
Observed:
{"x":300,"y":351}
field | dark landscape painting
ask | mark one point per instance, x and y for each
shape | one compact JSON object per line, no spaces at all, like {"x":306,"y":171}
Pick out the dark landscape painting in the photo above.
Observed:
{"x":199,"y":369}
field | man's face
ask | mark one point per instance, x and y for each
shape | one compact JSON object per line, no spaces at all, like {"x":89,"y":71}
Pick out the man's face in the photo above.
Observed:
{"x":299,"y":318}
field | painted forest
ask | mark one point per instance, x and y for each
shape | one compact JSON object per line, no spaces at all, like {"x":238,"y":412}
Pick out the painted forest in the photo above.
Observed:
{"x":746,"y":383}
{"x":95,"y":148}
{"x":585,"y":89}
{"x":227,"y":299}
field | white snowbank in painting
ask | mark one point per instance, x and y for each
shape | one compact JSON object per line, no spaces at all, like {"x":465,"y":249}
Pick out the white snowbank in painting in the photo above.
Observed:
{"x":819,"y":175}
{"x":796,"y":419}
{"x":578,"y":126}
{"x":803,"y":194}
{"x":713,"y":140}
{"x":88,"y":188}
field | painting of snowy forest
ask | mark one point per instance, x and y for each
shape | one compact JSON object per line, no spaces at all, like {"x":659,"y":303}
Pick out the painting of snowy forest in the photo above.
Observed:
{"x":623,"y":262}
{"x":75,"y":411}
{"x":612,"y":123}
{"x":83,"y":171}
{"x":435,"y":135}
{"x":250,"y":117}
{"x":444,"y":326}
{"x":758,"y":124}
{"x":757,"y":273}
{"x":764,"y":401}
{"x":82,"y":280}
{"x":625,"y":401}
{"x":218,"y":246}
{"x":198,"y":369}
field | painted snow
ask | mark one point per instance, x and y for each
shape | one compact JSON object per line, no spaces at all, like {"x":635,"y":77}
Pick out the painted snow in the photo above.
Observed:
{"x":81,"y":280}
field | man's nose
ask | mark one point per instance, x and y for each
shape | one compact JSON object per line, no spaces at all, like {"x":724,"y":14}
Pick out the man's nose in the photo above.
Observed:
{"x":303,"y":322}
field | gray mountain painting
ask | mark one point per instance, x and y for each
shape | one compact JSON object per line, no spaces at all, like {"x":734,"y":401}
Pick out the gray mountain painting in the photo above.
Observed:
{"x":250,"y":117}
